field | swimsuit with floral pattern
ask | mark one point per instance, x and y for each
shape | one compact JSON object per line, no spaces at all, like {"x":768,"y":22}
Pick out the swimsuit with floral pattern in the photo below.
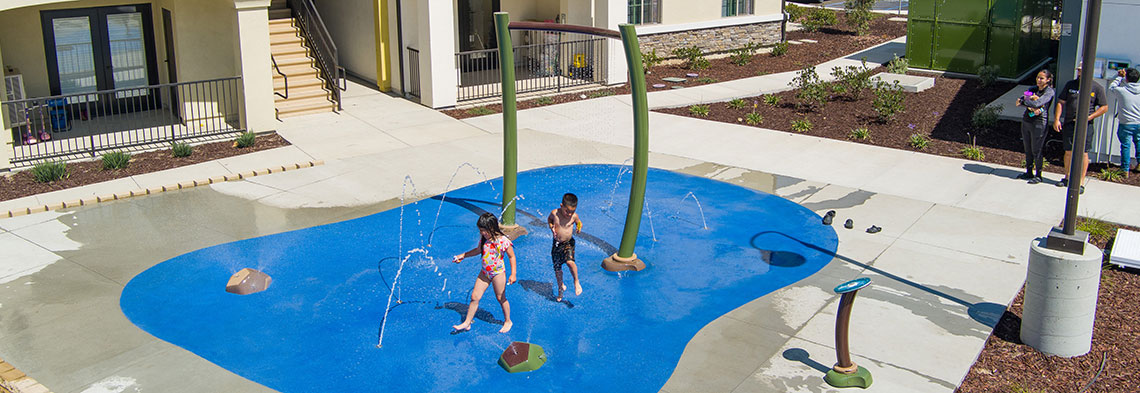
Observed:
{"x":493,"y":256}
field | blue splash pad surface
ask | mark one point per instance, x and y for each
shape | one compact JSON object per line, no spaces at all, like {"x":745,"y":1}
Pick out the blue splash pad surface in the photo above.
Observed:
{"x":318,"y":324}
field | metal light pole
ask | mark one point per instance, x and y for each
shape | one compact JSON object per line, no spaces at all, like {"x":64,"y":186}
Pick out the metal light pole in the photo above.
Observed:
{"x":1068,"y":238}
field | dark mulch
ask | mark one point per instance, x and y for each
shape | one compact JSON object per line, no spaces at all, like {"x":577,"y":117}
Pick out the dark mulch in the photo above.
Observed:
{"x":941,"y":113}
{"x":833,"y":43}
{"x":21,"y":184}
{"x":1008,"y":365}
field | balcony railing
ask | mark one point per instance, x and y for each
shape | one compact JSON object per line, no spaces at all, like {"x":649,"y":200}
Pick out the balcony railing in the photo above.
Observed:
{"x":562,"y":60}
{"x":81,"y":125}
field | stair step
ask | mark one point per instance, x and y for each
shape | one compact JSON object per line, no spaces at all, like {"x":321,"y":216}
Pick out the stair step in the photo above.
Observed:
{"x":296,"y":94}
{"x":306,"y":106}
{"x":278,"y":4}
{"x":298,"y":69}
{"x":293,"y":59}
{"x":284,"y":39}
{"x":282,"y":28}
{"x":295,"y":83}
{"x":313,"y":111}
{"x":287,"y":50}
{"x":283,"y":21}
{"x":280,"y":14}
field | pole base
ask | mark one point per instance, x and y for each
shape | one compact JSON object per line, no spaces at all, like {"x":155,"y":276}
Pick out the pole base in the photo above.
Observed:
{"x":1073,"y":244}
{"x":861,"y":378}
{"x":614,"y":263}
{"x":514,"y":231}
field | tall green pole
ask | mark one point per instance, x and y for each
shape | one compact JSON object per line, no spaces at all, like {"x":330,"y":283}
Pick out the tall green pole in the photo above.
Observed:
{"x":510,"y":120}
{"x":625,"y":259}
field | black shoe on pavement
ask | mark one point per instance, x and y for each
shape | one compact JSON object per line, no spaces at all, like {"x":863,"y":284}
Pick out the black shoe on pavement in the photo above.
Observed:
{"x":1035,"y":180}
{"x":828,"y":217}
{"x":849,"y":224}
{"x":874,"y":229}
{"x":1063,"y":183}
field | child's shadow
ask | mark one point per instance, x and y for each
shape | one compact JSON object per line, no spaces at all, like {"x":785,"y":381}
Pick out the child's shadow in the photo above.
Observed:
{"x":461,"y":308}
{"x":545,"y":290}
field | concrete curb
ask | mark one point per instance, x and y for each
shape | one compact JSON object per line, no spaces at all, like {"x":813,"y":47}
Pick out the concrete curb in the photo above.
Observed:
{"x":155,"y":190}
{"x":13,"y":380}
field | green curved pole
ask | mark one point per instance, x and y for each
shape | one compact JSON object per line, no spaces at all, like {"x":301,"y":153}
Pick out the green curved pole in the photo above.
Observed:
{"x":510,"y":119}
{"x":640,"y":140}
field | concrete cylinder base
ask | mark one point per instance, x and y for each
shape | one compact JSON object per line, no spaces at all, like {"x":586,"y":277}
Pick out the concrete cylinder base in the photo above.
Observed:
{"x":513,"y":231}
{"x":614,"y":263}
{"x":1060,"y":300}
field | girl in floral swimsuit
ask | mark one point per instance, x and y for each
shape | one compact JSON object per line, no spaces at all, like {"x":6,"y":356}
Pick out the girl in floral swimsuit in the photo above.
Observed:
{"x":492,"y":245}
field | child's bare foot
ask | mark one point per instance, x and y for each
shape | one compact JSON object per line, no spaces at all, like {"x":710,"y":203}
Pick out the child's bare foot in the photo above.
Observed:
{"x":558,"y":298}
{"x":563,"y":287}
{"x":506,"y":327}
{"x":462,"y":327}
{"x":577,"y":288}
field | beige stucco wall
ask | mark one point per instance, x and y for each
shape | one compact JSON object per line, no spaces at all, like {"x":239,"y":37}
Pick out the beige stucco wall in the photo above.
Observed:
{"x":205,"y":39}
{"x":350,"y":22}
{"x":690,"y":11}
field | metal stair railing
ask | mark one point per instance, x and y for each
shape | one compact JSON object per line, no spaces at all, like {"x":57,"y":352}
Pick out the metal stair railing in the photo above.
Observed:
{"x":319,"y":39}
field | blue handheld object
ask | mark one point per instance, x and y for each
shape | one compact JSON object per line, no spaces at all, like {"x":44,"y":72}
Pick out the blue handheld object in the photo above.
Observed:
{"x":853,"y":285}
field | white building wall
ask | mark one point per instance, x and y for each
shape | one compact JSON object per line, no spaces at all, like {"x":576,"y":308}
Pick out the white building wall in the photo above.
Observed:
{"x":351,"y":24}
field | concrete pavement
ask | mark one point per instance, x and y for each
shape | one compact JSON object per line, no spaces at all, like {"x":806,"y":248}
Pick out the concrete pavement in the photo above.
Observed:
{"x":951,"y":255}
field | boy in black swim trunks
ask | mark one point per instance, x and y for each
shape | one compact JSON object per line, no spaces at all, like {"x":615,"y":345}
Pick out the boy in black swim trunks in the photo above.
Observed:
{"x":563,"y":223}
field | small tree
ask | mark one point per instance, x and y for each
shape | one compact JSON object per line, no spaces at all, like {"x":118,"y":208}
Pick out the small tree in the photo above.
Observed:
{"x":811,"y":92}
{"x":859,"y":15}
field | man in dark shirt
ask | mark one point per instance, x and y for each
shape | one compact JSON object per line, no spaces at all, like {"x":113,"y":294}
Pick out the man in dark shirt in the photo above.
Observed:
{"x":1064,"y":121}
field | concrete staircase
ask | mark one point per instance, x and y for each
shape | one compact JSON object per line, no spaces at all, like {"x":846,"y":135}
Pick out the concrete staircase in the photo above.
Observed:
{"x":307,"y":94}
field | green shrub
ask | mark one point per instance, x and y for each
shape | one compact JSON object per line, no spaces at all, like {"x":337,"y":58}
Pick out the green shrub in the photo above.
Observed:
{"x":811,"y":92}
{"x":179,"y":149}
{"x":818,"y":18}
{"x":49,"y":171}
{"x":542,"y":101}
{"x":780,"y":49}
{"x":480,"y":111}
{"x":1115,"y":175}
{"x":705,"y":79}
{"x":772,"y":100}
{"x":650,"y":60}
{"x":742,"y":56}
{"x":988,"y":74}
{"x":851,"y":81}
{"x":985,"y":117}
{"x":736,"y":104}
{"x":802,"y":125}
{"x":753,"y":118}
{"x":116,"y":160}
{"x":795,"y":12}
{"x":699,"y":110}
{"x":600,"y":93}
{"x":973,"y":152}
{"x":694,"y":57}
{"x":918,"y":141}
{"x":860,"y":134}
{"x":898,"y":65}
{"x":246,"y":139}
{"x":859,"y":15}
{"x":888,"y":101}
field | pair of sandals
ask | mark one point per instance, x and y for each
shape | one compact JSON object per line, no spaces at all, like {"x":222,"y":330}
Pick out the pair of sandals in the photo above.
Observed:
{"x":830,"y":216}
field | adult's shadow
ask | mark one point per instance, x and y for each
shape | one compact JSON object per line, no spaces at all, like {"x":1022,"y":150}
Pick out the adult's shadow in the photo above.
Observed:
{"x":545,"y":290}
{"x":802,"y":356}
{"x":461,"y":309}
{"x":988,"y":170}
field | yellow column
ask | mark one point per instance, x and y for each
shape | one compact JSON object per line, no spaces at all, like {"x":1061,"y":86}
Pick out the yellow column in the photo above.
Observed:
{"x":255,"y":65}
{"x":383,"y":59}
{"x":5,"y":132}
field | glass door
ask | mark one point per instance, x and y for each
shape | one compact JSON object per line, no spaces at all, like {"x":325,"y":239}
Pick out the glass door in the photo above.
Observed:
{"x":105,"y":48}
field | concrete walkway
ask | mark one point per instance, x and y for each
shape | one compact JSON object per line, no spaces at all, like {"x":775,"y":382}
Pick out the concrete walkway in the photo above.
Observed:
{"x":951,"y":255}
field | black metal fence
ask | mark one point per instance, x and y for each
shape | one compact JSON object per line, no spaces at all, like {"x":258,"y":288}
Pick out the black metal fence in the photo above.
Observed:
{"x":413,"y":88}
{"x":555,"y":62}
{"x":81,"y":125}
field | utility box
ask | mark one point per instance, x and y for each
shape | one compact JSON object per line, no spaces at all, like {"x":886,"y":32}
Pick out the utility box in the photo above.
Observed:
{"x":963,"y":35}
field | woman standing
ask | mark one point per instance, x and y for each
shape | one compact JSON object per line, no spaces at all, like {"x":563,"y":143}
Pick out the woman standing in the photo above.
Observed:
{"x":1033,"y":122}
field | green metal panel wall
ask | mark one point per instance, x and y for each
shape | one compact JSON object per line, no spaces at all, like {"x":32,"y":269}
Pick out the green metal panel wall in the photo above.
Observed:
{"x":962,"y":35}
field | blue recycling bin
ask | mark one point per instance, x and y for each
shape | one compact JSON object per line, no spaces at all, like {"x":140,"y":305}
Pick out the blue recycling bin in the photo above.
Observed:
{"x":57,"y":112}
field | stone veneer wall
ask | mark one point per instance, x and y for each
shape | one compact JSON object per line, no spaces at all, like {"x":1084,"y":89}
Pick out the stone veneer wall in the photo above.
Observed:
{"x":713,"y":40}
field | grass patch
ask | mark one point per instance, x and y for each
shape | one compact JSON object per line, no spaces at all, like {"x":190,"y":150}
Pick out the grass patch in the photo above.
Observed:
{"x":918,"y":141}
{"x":973,"y":153}
{"x":699,"y":110}
{"x":705,"y":79}
{"x":772,"y":100}
{"x":246,"y":139}
{"x":600,"y":93}
{"x":1101,"y":230}
{"x":1114,"y":175}
{"x":736,"y":104}
{"x":480,"y":111}
{"x":753,"y":118}
{"x":860,"y":134}
{"x":49,"y":171}
{"x":543,"y":101}
{"x":116,"y":160}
